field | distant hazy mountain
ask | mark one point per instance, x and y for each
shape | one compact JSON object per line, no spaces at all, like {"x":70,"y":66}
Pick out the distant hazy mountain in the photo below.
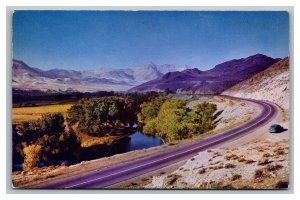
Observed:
{"x":213,"y":81}
{"x":105,"y":79}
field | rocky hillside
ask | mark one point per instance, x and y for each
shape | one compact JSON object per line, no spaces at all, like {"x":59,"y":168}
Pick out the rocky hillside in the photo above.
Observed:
{"x":260,"y":165}
{"x":214,"y":81}
{"x":271,"y":84}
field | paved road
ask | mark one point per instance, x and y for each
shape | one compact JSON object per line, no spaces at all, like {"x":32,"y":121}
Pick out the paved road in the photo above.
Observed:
{"x":118,"y":173}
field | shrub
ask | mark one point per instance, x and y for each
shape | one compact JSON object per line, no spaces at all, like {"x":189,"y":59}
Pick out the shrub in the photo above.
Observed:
{"x":202,"y":171}
{"x":264,"y":161}
{"x":32,"y":156}
{"x":172,"y":179}
{"x":266,"y":155}
{"x":231,"y":103}
{"x":230,"y":165}
{"x":274,"y":167}
{"x":236,"y":177}
{"x":260,"y":174}
{"x":231,"y":157}
{"x":250,"y":161}
{"x":279,"y":151}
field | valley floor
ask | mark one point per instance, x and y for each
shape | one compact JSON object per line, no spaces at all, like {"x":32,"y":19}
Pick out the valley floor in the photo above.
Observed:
{"x":234,"y":113}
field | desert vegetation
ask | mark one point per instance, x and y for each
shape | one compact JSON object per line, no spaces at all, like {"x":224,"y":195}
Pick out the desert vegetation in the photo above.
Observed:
{"x":260,"y":165}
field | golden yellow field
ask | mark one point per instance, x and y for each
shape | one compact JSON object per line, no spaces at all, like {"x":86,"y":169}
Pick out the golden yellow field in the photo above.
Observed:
{"x":33,"y":113}
{"x":89,"y":141}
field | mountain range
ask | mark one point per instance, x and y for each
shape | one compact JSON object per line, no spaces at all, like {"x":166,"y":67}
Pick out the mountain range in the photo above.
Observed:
{"x":103,"y":79}
{"x":150,"y":77}
{"x":213,"y":81}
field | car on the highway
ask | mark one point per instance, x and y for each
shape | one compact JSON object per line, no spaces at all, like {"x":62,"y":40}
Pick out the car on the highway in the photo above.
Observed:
{"x":275,"y":128}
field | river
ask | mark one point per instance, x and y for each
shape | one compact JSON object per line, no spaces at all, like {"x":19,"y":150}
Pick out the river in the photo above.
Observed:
{"x":135,"y":141}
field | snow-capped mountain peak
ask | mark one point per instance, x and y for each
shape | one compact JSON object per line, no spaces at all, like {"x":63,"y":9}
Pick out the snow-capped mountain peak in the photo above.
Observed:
{"x":28,"y":78}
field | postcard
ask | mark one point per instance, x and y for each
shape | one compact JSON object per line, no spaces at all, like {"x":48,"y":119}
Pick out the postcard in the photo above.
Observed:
{"x":150,"y":99}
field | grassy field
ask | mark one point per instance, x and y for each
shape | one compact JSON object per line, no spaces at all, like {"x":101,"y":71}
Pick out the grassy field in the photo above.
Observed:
{"x":89,"y":141}
{"x":34,"y":113}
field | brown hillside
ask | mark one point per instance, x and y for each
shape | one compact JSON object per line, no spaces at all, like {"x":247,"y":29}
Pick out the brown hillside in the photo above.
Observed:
{"x":271,"y":84}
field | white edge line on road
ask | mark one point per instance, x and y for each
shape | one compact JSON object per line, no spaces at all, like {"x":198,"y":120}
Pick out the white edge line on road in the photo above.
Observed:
{"x":269,"y":111}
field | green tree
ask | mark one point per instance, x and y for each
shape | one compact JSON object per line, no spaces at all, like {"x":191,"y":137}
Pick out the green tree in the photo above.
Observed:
{"x":51,"y":123}
{"x":205,"y":116}
{"x":170,"y":123}
{"x":51,"y":128}
{"x":70,"y":146}
{"x":175,"y":121}
{"x":149,"y":110}
{"x":98,"y":116}
{"x":75,"y":114}
{"x":133,"y":105}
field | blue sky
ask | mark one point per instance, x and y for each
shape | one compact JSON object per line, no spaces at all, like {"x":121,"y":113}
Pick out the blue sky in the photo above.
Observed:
{"x":92,"y":39}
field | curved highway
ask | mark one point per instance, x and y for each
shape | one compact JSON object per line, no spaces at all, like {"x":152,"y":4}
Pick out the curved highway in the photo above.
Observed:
{"x":118,"y":173}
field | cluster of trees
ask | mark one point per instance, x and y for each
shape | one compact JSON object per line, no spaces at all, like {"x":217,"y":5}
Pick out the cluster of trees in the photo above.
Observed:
{"x":44,"y":140}
{"x":104,"y":115}
{"x":149,"y":110}
{"x":171,"y":119}
{"x":96,"y":116}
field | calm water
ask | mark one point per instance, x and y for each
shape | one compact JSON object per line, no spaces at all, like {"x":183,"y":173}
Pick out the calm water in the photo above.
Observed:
{"x":135,"y":141}
{"x":140,"y":141}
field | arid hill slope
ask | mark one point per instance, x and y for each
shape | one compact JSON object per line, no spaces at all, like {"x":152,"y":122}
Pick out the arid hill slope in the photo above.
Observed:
{"x":271,"y":84}
{"x":260,"y":165}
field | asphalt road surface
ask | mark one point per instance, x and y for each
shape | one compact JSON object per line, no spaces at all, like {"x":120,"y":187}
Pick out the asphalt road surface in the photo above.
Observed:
{"x":118,"y":173}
